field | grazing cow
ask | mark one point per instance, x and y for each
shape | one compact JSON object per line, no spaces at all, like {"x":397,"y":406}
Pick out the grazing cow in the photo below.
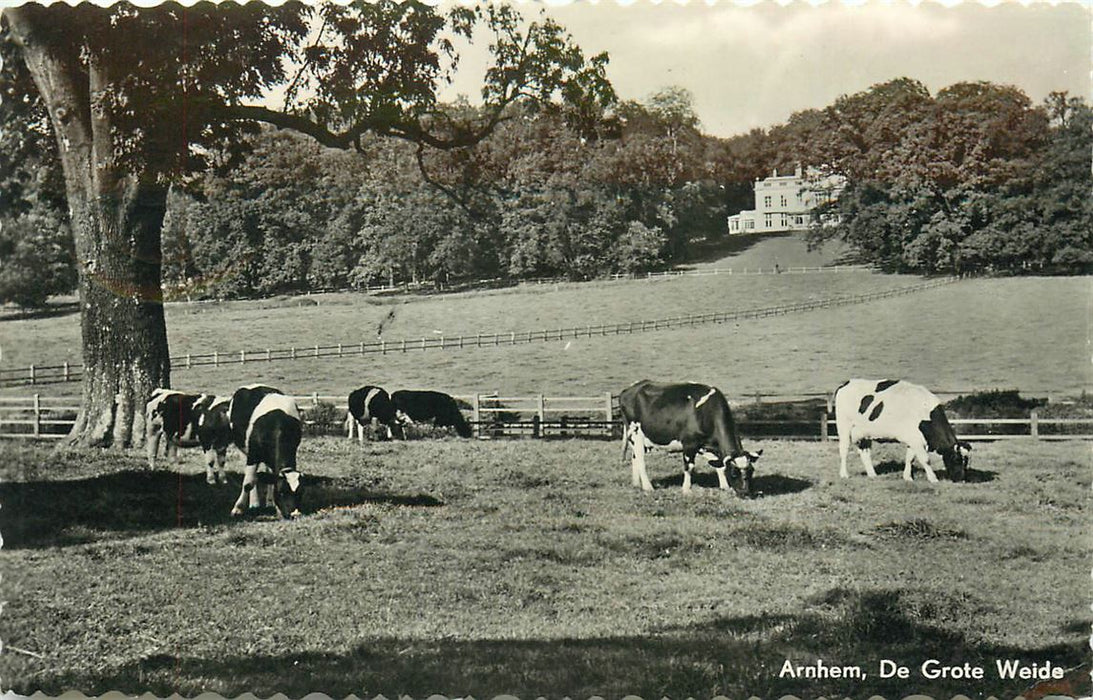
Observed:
{"x":371,"y":403}
{"x":419,"y":406}
{"x":893,"y":410}
{"x":186,"y":420}
{"x":266,"y":426}
{"x":169,"y":415}
{"x":214,"y":433}
{"x":691,"y":418}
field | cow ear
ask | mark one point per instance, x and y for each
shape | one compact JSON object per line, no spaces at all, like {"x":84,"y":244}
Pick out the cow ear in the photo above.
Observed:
{"x":965,"y":445}
{"x":754,"y":456}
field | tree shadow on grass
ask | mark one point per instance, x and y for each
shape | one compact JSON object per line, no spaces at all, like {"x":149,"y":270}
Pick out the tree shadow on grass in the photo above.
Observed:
{"x":764,"y":485}
{"x":53,"y":310}
{"x":738,"y":657}
{"x":131,"y":502}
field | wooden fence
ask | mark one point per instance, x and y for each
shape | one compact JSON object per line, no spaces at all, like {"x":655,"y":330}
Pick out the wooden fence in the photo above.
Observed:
{"x":539,"y":416}
{"x":50,"y":374}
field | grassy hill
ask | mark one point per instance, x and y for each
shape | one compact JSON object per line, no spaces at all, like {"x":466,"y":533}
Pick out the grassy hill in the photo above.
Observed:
{"x":1026,"y":333}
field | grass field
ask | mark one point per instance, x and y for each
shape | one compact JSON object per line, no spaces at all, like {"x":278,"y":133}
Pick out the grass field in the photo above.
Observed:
{"x":1025,"y":333}
{"x":534,"y":568}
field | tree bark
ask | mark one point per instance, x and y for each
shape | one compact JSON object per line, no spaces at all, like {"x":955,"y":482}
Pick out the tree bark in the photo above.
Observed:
{"x":116,"y":214}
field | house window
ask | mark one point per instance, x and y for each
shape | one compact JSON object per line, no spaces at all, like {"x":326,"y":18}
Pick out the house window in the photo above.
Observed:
{"x":800,"y":221}
{"x":750,"y":224}
{"x":766,"y":201}
{"x":785,"y":221}
{"x":784,"y":201}
{"x":768,"y":220}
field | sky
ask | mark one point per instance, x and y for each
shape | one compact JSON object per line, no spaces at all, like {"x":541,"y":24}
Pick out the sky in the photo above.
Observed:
{"x":754,"y":66}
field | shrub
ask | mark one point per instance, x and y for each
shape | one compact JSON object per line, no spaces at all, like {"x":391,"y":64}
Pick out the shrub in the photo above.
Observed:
{"x":998,"y":403}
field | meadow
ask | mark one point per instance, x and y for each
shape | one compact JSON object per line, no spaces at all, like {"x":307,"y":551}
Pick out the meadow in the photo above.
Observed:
{"x":977,"y":334}
{"x":533,"y":568}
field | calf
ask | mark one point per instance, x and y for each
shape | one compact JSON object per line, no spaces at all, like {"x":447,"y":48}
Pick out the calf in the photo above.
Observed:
{"x":169,"y":415}
{"x":265,"y":425}
{"x":690,"y":418}
{"x":213,"y":433}
{"x":371,"y":403}
{"x":893,"y":410}
{"x":439,"y":408}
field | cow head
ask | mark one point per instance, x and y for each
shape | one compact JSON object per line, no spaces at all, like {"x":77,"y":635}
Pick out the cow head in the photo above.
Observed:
{"x":741,"y":468}
{"x":288,"y":493}
{"x":956,"y":460}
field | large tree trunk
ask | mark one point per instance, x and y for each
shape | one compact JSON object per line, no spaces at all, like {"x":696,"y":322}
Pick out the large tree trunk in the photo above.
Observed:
{"x":116,"y":214}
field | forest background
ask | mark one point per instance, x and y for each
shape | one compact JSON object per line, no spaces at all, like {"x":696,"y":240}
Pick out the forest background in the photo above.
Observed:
{"x":974,"y":178}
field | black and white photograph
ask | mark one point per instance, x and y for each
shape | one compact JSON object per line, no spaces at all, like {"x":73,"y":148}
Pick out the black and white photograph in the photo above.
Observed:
{"x":536,"y":350}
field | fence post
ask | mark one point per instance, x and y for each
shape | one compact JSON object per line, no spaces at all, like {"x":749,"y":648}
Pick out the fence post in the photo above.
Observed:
{"x":37,"y":416}
{"x":242,"y":357}
{"x":1034,"y":424}
{"x":66,"y":371}
{"x":477,"y":415}
{"x":540,"y":406}
{"x":383,"y":347}
{"x":316,"y":350}
{"x":824,"y":430}
{"x":339,"y":349}
{"x":188,"y":361}
{"x":607,"y":413}
{"x":314,"y":399}
{"x":269,"y":355}
{"x":216,"y":358}
{"x":293,"y":352}
{"x":32,"y":378}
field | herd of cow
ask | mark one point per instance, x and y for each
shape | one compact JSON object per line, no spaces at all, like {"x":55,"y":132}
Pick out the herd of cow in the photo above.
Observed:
{"x":690,"y":418}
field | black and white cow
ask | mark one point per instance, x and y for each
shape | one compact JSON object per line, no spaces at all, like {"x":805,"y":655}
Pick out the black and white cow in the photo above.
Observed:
{"x":169,"y":415}
{"x":430,"y":406}
{"x":690,"y":418}
{"x":266,"y":426}
{"x":186,"y":420}
{"x":893,"y":410}
{"x":371,"y":403}
{"x":213,"y":433}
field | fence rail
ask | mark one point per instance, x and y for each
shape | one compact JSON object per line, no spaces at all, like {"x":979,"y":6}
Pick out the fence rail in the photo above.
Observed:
{"x":66,"y":372}
{"x":540,"y":416}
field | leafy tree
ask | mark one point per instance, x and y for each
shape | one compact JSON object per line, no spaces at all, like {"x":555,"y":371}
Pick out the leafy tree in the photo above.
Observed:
{"x":136,"y":97}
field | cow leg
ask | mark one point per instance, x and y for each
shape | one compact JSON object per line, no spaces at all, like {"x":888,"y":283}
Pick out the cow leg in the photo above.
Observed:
{"x":153,"y":446}
{"x":249,"y":490}
{"x":924,"y":458}
{"x":210,"y":460}
{"x":639,"y":475}
{"x":688,"y":467}
{"x":221,"y":457}
{"x":350,"y":422}
{"x":866,"y":453}
{"x":722,"y":480}
{"x":844,"y":450}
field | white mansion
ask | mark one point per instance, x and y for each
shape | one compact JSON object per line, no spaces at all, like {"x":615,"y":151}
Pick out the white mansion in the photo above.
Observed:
{"x":785,"y":203}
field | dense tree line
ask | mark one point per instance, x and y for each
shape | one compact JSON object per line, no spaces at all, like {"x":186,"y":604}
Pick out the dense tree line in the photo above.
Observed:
{"x":973,"y":178}
{"x":537,"y":198}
